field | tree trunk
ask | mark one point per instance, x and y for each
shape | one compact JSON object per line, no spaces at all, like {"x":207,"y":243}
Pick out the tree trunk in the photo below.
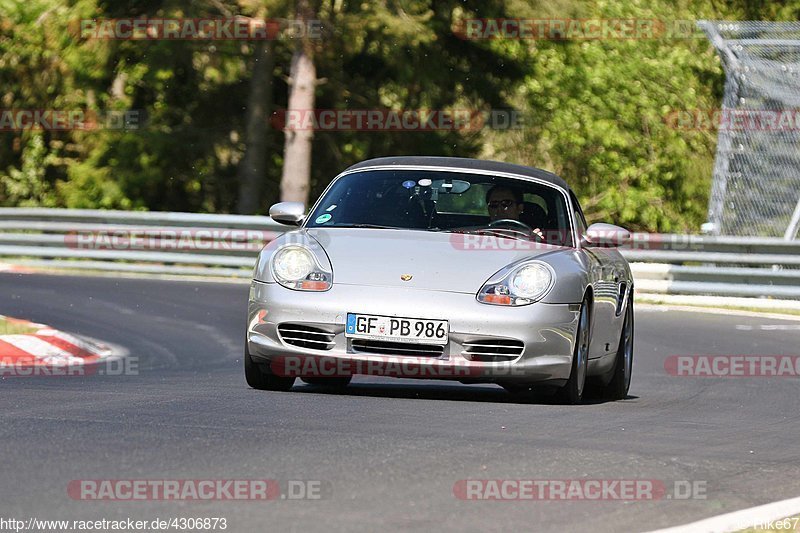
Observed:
{"x":296,"y":175}
{"x":252,"y":170}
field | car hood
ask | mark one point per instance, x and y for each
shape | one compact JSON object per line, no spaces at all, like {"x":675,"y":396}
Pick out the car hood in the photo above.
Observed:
{"x":435,"y":260}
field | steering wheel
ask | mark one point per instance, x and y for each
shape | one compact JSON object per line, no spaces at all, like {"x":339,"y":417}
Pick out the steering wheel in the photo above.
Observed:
{"x":510,"y":222}
{"x":529,"y":231}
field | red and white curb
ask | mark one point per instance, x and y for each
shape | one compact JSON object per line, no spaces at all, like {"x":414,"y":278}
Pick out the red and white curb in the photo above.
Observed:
{"x":50,"y":348}
{"x":15,"y":269}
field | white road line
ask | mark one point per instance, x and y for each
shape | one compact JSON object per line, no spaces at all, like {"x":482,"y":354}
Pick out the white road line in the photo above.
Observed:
{"x":663,"y":308}
{"x":769,"y":327}
{"x":738,"y":520}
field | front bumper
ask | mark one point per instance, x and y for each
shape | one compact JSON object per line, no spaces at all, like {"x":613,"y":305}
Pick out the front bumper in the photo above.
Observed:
{"x":547,"y":332}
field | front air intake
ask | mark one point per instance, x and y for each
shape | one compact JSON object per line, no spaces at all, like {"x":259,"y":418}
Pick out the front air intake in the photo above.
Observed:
{"x":396,"y":348}
{"x":492,"y":350}
{"x":304,"y":336}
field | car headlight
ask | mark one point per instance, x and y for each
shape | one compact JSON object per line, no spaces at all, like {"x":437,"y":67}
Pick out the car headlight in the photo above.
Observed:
{"x":520,"y":285}
{"x":531,"y":281}
{"x":295,"y":267}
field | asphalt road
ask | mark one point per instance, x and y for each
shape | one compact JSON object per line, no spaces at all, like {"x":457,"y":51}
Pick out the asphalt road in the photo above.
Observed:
{"x":388,"y":452}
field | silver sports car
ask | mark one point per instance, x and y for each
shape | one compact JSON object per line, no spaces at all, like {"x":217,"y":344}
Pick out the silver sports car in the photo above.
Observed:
{"x":443,"y":268}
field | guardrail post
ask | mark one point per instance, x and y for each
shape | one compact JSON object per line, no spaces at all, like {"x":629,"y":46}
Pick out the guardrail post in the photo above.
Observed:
{"x":791,"y":231}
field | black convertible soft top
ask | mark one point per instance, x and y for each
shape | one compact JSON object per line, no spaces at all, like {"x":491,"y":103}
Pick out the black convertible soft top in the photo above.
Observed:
{"x":462,"y":162}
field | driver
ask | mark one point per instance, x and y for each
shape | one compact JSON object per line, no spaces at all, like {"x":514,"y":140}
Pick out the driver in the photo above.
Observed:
{"x":506,"y":203}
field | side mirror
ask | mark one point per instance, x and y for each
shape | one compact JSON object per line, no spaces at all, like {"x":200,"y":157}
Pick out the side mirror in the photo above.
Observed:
{"x":606,"y":236}
{"x":289,"y":213}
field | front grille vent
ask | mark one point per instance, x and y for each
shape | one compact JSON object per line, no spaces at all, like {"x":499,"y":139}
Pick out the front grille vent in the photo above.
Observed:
{"x":493,"y":350}
{"x":397,"y":348}
{"x":304,"y":336}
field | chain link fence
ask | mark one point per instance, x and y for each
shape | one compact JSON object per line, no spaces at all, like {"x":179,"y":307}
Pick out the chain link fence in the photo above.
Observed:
{"x":756,"y":184}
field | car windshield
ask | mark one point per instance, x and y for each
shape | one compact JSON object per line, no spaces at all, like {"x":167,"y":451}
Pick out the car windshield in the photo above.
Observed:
{"x":445,"y":201}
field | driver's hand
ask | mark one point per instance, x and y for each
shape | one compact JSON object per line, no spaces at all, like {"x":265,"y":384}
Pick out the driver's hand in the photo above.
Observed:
{"x":539,"y":233}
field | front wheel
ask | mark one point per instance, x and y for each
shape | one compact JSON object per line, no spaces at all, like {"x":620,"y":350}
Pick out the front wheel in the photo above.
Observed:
{"x":572,"y":392}
{"x":617,"y":388}
{"x":257,"y":378}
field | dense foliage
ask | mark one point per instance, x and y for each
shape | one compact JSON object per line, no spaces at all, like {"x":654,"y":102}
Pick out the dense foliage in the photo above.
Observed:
{"x":591,"y":110}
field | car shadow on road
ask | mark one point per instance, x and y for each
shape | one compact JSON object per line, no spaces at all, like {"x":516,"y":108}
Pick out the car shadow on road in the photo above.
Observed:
{"x":455,"y":392}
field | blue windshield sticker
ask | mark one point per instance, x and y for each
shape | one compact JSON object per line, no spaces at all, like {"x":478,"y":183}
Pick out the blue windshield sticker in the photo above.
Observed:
{"x":409,"y":183}
{"x":323,"y":218}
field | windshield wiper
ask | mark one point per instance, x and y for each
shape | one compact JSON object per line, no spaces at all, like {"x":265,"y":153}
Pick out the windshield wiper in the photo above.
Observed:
{"x":372,"y":226}
{"x":498,"y":232}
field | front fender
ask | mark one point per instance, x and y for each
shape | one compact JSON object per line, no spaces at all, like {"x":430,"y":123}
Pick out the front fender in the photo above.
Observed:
{"x":573,"y":276}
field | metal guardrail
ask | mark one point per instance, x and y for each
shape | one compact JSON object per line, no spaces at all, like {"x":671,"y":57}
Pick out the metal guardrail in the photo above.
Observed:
{"x":227,"y":245}
{"x":716,"y":265}
{"x":170,"y":243}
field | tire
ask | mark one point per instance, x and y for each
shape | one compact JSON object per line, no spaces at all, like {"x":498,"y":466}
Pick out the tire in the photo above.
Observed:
{"x":332,"y":383}
{"x":572,"y":392}
{"x":257,"y":378}
{"x":617,"y":388}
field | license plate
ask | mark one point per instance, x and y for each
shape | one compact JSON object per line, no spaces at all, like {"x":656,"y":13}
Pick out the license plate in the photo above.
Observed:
{"x":396,"y":329}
